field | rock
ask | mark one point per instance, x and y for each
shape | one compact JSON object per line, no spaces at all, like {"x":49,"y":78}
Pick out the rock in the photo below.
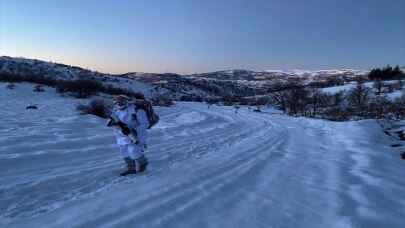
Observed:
{"x":396,"y":145}
{"x":387,"y":133}
{"x":39,"y":88}
{"x":10,"y":86}
{"x":403,"y":155}
{"x":31,"y":107}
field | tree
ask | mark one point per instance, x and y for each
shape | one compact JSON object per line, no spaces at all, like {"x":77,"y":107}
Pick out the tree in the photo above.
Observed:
{"x":375,"y":74}
{"x":358,"y":97}
{"x":296,"y":100}
{"x":396,"y":72}
{"x":386,"y":73}
{"x":378,"y":106}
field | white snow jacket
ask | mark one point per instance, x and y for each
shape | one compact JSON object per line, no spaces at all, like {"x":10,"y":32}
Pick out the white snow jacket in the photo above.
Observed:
{"x":134,"y":119}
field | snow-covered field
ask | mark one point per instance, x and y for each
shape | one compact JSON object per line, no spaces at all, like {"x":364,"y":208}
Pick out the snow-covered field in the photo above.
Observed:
{"x":208,"y":168}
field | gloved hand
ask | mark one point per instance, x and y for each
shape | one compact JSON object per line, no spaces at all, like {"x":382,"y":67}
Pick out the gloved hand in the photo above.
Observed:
{"x":124,"y":128}
{"x":134,"y":139}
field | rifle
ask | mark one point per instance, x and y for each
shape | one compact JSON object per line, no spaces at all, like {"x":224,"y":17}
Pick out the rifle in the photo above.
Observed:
{"x":125,"y":130}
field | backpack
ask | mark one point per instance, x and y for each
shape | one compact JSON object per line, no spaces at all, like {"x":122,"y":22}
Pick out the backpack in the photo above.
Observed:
{"x":145,"y":105}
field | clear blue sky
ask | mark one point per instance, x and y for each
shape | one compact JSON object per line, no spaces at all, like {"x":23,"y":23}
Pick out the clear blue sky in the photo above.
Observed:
{"x":186,"y":36}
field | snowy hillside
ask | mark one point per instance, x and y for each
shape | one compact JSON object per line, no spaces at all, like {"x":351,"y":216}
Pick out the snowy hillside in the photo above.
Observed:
{"x":244,"y":83}
{"x":347,"y":87}
{"x":34,"y":68}
{"x":318,"y":73}
{"x":208,"y":168}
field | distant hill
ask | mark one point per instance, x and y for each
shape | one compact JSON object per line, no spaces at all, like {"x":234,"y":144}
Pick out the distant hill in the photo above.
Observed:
{"x":201,"y":86}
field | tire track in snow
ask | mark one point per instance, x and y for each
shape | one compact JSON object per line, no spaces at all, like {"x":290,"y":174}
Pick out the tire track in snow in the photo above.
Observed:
{"x":192,"y":192}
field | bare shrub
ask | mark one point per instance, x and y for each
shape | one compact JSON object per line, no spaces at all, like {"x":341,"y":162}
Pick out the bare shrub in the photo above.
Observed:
{"x":230,"y":100}
{"x":295,"y":100}
{"x":79,"y":88}
{"x":397,"y":108}
{"x":162,"y":101}
{"x":336,"y":114}
{"x":378,"y":85}
{"x":378,"y":107}
{"x":338,"y":98}
{"x":359,"y":97}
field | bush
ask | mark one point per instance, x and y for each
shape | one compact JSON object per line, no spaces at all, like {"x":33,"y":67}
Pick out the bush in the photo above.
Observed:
{"x":109,"y":89}
{"x":378,"y":107}
{"x":96,"y":107}
{"x":32,"y":78}
{"x":79,"y":88}
{"x":337,"y":114}
{"x":9,"y":78}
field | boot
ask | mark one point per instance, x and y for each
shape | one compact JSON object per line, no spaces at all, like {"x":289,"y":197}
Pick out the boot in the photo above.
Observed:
{"x":142,"y":163}
{"x":130,"y":165}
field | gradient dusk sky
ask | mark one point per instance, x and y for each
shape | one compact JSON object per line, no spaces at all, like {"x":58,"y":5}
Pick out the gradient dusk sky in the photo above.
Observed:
{"x":185,"y":36}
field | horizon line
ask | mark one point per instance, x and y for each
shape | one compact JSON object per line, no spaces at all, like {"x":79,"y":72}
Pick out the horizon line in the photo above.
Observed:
{"x":194,"y":73}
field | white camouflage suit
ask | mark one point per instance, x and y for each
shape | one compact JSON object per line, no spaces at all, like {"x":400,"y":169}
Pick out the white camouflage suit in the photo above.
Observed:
{"x":134,"y":119}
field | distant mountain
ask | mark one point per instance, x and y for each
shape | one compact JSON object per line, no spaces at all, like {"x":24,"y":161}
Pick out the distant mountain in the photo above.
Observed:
{"x":281,"y":74}
{"x":201,"y":86}
{"x":318,"y":73}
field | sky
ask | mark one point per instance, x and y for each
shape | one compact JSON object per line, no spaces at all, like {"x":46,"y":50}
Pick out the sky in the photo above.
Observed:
{"x":191,"y":36}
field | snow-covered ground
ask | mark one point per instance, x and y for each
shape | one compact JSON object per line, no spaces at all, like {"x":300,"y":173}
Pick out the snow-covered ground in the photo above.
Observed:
{"x":345,"y":88}
{"x":208,"y":168}
{"x":351,"y":85}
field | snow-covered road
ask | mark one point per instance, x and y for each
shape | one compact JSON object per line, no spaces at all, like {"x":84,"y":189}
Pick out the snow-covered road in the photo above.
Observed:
{"x":209,"y":168}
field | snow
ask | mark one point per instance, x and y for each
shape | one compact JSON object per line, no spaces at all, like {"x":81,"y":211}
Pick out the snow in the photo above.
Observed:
{"x":208,"y":168}
{"x":337,"y":89}
{"x":344,"y":88}
{"x":314,"y":73}
{"x":396,"y":94}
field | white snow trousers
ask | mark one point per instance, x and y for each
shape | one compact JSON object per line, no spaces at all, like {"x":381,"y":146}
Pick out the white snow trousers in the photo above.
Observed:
{"x":131,"y":150}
